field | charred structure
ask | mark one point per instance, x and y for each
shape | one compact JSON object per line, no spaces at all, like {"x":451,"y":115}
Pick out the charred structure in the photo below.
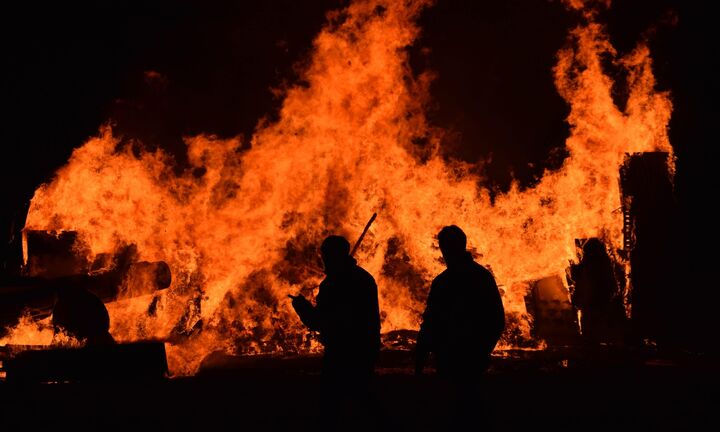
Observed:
{"x":655,"y":250}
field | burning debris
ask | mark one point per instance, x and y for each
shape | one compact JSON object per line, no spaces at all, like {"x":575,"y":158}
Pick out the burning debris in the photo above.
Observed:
{"x":554,"y":318}
{"x":238,"y":229}
{"x":59,"y":284}
{"x":56,"y":265}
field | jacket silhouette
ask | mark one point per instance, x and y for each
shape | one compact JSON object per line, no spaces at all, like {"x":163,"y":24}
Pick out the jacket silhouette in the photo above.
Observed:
{"x":346,"y":313}
{"x":464,"y":317}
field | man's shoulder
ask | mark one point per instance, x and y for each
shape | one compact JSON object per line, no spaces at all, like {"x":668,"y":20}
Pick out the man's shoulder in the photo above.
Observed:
{"x":472,"y":270}
{"x":481,"y":269}
{"x":485,"y":278}
{"x":363,"y":275}
{"x":441,"y":278}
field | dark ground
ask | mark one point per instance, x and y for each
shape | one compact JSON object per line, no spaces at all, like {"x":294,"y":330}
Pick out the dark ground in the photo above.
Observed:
{"x":551,"y":390}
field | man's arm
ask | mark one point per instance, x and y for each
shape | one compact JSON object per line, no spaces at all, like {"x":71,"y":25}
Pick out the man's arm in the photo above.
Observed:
{"x":306,"y":311}
{"x":425,"y":335}
{"x":374,"y":309}
{"x":492,"y":314}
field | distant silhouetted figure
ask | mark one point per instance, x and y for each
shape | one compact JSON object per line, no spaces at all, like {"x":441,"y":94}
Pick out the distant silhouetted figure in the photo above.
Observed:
{"x":347,"y":316}
{"x":463,"y":320}
{"x":597,"y":294}
{"x":82,"y":315}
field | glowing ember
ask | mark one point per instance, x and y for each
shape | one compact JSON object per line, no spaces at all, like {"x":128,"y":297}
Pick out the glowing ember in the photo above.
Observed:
{"x":239,"y":229}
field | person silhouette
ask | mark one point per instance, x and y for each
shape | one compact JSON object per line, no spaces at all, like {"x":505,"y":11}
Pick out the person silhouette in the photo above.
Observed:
{"x":463,"y":319}
{"x":597,"y":295}
{"x":347,"y":316}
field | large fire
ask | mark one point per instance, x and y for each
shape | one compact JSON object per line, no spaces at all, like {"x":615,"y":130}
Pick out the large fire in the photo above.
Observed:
{"x":240,"y":228}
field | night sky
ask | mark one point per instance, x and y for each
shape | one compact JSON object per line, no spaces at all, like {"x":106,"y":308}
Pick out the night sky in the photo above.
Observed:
{"x":69,"y":67}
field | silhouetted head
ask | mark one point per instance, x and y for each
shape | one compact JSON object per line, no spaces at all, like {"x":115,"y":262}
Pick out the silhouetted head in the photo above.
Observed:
{"x":335,"y":251}
{"x":453,"y":243}
{"x":594,"y":248}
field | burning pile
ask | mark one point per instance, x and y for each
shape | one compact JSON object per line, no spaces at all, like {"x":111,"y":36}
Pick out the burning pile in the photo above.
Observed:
{"x":239,"y":228}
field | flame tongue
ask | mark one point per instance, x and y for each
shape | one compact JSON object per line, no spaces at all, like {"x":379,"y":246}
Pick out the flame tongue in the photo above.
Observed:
{"x":242,"y":234}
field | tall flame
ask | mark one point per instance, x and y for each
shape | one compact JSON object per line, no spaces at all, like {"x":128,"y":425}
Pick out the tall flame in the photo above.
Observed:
{"x":240,"y":228}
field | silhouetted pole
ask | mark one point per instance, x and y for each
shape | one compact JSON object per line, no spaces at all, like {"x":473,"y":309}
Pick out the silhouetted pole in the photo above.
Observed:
{"x":359,"y":240}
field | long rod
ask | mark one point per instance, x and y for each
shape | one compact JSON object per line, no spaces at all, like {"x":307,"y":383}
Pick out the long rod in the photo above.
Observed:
{"x":360,"y":239}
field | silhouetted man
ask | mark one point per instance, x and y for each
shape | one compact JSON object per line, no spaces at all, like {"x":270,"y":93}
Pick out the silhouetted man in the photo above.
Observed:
{"x":346,"y":313}
{"x":347,"y":316}
{"x":464,"y":317}
{"x":462,"y":323}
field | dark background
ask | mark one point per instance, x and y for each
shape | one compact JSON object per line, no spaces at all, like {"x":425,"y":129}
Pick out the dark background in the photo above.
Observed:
{"x":69,"y":67}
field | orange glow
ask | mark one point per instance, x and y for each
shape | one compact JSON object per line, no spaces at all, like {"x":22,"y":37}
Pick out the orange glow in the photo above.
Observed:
{"x":239,"y":228}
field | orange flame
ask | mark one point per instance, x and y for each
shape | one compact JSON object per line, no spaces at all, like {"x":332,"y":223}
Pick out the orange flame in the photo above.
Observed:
{"x":239,"y":228}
